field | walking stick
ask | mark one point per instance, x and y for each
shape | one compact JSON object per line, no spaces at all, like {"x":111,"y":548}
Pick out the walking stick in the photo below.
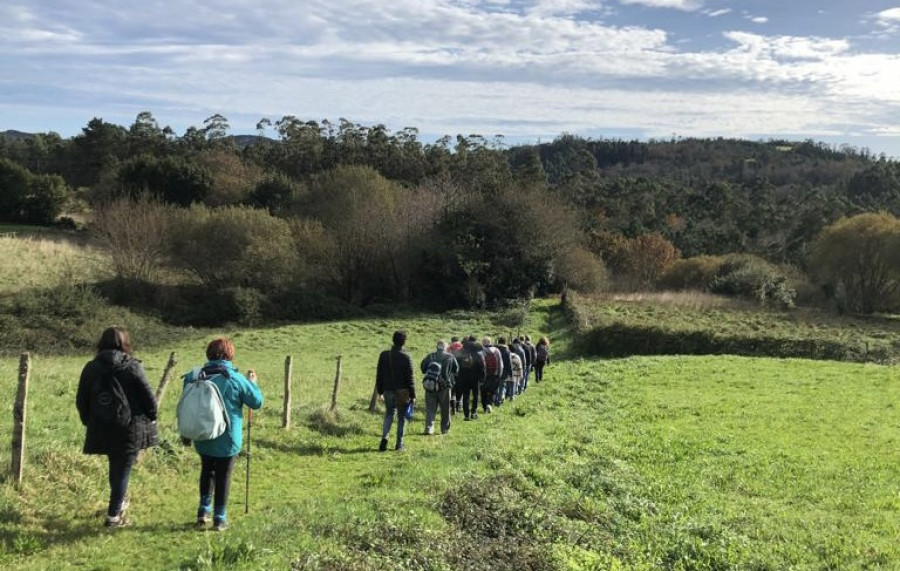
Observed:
{"x":247,"y":486}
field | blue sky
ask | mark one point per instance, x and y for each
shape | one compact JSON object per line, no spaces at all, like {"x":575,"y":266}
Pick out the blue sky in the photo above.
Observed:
{"x":527,"y":69}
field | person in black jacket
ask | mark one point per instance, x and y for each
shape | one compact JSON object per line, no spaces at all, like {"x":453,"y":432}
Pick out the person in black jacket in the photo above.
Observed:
{"x":395,"y":386}
{"x":471,"y":376}
{"x":120,"y":444}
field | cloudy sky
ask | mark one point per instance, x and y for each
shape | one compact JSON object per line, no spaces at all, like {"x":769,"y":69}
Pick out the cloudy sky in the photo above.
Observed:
{"x":527,"y":69}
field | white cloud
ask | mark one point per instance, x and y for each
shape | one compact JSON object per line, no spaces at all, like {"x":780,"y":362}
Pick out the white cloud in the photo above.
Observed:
{"x":758,"y":19}
{"x":685,"y":5}
{"x":888,"y":21}
{"x":891,"y":15}
{"x":560,"y":7}
{"x":445,"y":66}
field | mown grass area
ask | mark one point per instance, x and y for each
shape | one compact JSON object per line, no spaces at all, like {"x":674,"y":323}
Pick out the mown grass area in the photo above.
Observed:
{"x":654,"y":324}
{"x":639,"y":463}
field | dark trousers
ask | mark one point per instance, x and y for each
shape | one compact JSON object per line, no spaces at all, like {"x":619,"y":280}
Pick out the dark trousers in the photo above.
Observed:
{"x":119,"y":473}
{"x":215,"y":477}
{"x":487,"y":391}
{"x":469,"y":396}
{"x":538,"y":371}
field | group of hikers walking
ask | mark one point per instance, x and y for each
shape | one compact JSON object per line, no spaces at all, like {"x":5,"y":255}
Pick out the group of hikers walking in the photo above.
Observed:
{"x":119,"y":409}
{"x":456,"y":376}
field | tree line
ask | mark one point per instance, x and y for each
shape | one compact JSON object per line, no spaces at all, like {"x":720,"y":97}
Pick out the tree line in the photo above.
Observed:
{"x":318,"y":212}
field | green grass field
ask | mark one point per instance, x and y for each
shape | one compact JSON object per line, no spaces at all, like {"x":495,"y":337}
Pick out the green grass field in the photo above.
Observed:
{"x":640,"y":463}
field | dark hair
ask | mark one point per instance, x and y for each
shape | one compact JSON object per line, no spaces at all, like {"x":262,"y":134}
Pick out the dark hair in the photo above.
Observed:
{"x":501,"y":340}
{"x":454,"y":339}
{"x":220,"y":349}
{"x":115,"y":338}
{"x":472,"y":338}
{"x":399,"y":338}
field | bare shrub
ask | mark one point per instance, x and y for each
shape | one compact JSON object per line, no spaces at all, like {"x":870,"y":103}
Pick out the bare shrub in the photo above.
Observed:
{"x":134,"y":233}
{"x":581,"y":270}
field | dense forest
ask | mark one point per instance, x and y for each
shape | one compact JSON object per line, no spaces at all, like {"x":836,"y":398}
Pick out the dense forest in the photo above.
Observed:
{"x":307,"y":216}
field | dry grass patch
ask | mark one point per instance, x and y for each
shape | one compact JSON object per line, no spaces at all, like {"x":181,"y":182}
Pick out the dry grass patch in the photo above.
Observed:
{"x":31,"y":262}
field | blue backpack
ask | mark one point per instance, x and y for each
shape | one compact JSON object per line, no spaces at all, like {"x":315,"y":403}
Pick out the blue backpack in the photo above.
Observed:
{"x":201,"y":411}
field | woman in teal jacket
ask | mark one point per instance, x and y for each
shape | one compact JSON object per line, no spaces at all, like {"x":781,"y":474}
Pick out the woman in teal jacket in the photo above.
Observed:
{"x":217,"y":456}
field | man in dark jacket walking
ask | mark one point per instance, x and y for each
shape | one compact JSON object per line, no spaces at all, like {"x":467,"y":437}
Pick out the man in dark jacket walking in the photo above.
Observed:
{"x":115,"y":373}
{"x":519,"y":349}
{"x":395,"y":385}
{"x":471,"y":375}
{"x":500,"y":395}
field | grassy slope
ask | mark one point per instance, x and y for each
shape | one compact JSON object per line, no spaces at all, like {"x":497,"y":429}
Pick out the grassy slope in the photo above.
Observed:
{"x":669,"y":463}
{"x":43,"y":261}
{"x":690,"y":313}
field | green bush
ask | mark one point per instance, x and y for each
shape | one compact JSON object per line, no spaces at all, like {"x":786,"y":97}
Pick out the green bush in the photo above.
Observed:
{"x":234,"y":247}
{"x":64,"y":317}
{"x":30,"y":198}
{"x":300,"y":304}
{"x":621,"y":340}
{"x":173,"y":180}
{"x":753,"y":278}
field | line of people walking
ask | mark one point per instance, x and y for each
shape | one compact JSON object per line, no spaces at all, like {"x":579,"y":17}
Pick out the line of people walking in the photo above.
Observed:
{"x":456,"y":376}
{"x":119,"y":409}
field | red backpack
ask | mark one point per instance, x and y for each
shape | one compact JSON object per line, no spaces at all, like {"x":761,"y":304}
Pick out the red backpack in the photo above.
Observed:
{"x":492,"y":362}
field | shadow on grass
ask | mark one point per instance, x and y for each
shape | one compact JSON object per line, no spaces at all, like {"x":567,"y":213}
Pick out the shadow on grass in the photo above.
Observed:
{"x":312,"y":448}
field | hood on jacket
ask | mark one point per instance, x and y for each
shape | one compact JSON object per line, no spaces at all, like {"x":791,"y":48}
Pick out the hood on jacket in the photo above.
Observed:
{"x":114,"y":359}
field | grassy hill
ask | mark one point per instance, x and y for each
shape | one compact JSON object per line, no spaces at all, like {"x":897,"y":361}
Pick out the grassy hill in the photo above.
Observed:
{"x":638,"y":463}
{"x":644,"y":462}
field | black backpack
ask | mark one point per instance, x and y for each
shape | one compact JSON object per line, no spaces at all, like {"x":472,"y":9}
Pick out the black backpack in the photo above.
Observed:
{"x":433,"y":379}
{"x":466,"y":360}
{"x":109,"y":403}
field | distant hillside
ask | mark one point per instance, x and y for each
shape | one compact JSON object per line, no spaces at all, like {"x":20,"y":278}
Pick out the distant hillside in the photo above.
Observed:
{"x":15,"y":135}
{"x":242,"y":141}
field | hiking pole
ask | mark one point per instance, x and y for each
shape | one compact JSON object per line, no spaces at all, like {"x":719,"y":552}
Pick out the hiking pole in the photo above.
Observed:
{"x":247,"y":486}
{"x":252,"y":378}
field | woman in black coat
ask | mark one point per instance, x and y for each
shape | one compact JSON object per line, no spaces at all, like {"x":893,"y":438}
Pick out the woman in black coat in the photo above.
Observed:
{"x":121,"y":438}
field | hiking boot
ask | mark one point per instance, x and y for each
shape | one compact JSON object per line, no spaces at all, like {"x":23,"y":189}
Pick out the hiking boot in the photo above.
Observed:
{"x":126,"y":501}
{"x":116,"y":521}
{"x":202,"y":520}
{"x":488,"y":409}
{"x":474,"y":416}
{"x":220,"y":525}
{"x":399,"y":446}
{"x":383,"y":446}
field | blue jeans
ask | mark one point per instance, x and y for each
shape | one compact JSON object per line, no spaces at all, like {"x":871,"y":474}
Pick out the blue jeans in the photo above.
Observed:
{"x":390,"y":404}
{"x":119,"y":473}
{"x":510,"y":388}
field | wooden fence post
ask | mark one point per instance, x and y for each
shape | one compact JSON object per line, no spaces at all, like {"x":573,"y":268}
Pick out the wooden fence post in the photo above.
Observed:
{"x":164,"y":381}
{"x":288,"y":372}
{"x":337,"y":382}
{"x":19,"y":409}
